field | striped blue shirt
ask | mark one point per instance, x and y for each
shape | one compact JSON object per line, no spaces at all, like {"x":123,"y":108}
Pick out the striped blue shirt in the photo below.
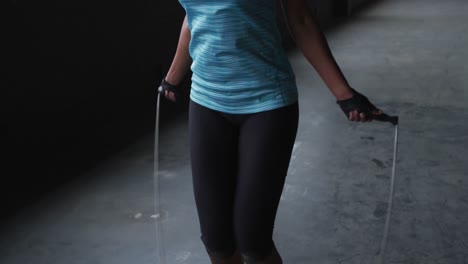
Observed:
{"x":239,"y":65}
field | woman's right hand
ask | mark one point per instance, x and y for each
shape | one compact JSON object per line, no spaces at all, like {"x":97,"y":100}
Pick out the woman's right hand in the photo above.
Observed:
{"x":179,"y":67}
{"x":170,"y":95}
{"x":170,"y":91}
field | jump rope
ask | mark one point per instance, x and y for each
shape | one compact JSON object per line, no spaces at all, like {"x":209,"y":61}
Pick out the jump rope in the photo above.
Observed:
{"x":160,"y":246}
{"x":160,"y":249}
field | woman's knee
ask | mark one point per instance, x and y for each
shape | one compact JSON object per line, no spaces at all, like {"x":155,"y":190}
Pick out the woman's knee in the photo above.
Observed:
{"x":220,"y":247}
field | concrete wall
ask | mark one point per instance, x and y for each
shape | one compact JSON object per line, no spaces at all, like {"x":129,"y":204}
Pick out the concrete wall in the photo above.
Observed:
{"x":355,"y":4}
{"x":79,"y":85}
{"x":328,"y":11}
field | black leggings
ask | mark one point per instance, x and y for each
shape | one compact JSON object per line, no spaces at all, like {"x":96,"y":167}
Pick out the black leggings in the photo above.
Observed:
{"x":239,"y":165}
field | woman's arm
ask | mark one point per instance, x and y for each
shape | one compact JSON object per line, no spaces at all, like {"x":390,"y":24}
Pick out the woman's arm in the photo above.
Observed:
{"x":311,"y":41}
{"x":182,"y":60}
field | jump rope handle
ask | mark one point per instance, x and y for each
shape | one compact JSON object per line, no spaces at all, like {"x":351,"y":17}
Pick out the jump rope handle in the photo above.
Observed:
{"x":386,"y":118}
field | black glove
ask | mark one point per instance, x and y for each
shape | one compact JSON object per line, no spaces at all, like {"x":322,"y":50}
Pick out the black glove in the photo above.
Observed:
{"x":358,"y":102}
{"x":165,"y":86}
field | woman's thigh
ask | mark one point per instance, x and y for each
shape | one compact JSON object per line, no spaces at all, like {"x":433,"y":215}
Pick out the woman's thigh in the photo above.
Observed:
{"x":213,"y":150}
{"x":266,"y":141}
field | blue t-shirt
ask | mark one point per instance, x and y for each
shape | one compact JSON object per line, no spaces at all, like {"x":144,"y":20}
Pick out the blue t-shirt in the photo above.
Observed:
{"x":239,"y":65}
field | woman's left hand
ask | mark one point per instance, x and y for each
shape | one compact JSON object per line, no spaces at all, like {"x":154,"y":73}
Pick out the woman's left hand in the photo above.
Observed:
{"x":359,"y":108}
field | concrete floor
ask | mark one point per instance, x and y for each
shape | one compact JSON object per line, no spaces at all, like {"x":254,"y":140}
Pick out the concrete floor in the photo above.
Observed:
{"x":407,"y":56}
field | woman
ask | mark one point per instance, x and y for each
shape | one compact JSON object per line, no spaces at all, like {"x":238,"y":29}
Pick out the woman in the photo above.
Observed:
{"x":243,"y":116}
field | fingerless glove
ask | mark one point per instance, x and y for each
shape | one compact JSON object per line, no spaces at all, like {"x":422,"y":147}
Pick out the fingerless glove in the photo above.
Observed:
{"x":168,"y":87}
{"x":358,"y":102}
